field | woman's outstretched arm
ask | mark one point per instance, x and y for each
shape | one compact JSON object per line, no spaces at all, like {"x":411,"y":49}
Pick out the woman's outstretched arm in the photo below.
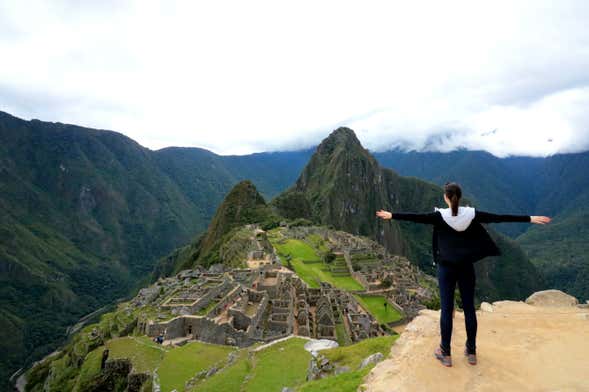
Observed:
{"x":419,"y":218}
{"x":487,"y":217}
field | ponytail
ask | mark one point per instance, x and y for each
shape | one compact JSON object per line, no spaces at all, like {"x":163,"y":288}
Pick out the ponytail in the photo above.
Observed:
{"x":454,"y":193}
{"x":454,"y":203}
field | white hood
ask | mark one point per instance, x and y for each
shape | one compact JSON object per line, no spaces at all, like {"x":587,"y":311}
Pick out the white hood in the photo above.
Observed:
{"x":459,"y":222}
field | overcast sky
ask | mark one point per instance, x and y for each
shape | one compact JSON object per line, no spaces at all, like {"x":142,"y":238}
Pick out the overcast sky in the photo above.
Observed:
{"x":237,"y":77}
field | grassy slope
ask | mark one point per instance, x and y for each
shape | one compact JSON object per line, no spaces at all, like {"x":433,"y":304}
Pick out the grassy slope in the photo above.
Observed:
{"x":375,"y":305}
{"x":280,"y":365}
{"x":183,"y":363}
{"x":90,"y":368}
{"x":311,"y":268}
{"x":143,"y":353}
{"x":350,"y":356}
{"x":283,"y":364}
{"x":229,"y":379}
{"x":353,"y":355}
{"x":345,"y":382}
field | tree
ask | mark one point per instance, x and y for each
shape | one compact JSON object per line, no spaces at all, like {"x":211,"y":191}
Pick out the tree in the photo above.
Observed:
{"x":329,"y":257}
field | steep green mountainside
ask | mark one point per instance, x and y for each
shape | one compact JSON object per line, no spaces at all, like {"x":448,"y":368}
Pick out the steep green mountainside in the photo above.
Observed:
{"x":557,"y":186}
{"x":562,"y":184}
{"x":343,"y":186}
{"x":560,"y":250}
{"x":85,"y":215}
{"x":489,"y":182}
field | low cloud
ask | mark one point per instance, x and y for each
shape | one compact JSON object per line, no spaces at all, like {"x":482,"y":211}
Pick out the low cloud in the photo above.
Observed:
{"x":506,"y":77}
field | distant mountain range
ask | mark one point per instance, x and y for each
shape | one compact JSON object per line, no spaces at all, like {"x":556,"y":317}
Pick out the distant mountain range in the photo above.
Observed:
{"x":87,"y":213}
{"x":557,"y":186}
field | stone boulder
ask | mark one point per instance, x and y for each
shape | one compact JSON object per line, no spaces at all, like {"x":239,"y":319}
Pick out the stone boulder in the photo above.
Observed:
{"x":551,"y":298}
{"x":372,"y":359}
{"x":315,"y":345}
{"x":216,"y":269}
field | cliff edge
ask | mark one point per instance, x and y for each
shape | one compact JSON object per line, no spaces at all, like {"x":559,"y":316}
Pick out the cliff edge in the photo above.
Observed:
{"x":538,"y":345}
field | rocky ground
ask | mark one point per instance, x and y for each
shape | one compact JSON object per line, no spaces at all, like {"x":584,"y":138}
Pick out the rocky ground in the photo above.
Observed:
{"x":520,"y":347}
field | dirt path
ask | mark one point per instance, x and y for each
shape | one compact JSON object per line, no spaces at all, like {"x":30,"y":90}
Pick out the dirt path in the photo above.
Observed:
{"x":520,"y":348}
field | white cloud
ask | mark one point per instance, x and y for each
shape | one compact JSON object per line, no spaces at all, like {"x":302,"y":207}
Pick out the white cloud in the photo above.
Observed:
{"x":239,"y":77}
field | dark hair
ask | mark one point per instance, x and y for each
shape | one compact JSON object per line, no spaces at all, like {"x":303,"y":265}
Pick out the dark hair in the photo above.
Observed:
{"x":454,"y":193}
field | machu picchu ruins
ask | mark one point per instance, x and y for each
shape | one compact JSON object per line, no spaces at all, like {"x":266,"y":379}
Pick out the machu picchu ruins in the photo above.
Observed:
{"x":265,"y":299}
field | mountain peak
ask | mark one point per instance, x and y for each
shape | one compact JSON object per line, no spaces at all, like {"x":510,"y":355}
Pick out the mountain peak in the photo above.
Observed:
{"x":246,"y":189}
{"x":242,"y":205}
{"x":342,"y":136}
{"x":343,"y":132}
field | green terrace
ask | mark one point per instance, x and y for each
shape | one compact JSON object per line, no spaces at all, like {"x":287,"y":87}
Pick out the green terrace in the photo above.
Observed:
{"x":237,"y":370}
{"x":338,"y":266}
{"x":375,"y":304}
{"x":306,"y":262}
{"x":364,"y":262}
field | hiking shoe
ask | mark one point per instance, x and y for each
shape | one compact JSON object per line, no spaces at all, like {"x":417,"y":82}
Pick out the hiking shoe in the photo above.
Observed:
{"x":445,"y":359}
{"x":472,"y":358}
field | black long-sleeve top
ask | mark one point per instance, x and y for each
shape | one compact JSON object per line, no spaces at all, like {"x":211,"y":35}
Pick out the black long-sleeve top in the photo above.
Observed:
{"x":452,"y":246}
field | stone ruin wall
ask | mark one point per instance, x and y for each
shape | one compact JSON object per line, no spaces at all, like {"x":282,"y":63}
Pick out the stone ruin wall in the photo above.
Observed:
{"x":203,"y":329}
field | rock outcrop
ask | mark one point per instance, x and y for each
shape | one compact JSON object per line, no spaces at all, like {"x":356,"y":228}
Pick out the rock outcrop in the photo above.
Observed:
{"x":554,"y":298}
{"x":520,"y":347}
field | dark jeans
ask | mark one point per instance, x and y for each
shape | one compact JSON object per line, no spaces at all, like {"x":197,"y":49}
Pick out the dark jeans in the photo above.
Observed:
{"x":448,"y":276}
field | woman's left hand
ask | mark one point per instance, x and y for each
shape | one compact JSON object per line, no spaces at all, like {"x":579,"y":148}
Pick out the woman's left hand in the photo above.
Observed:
{"x":540,"y":220}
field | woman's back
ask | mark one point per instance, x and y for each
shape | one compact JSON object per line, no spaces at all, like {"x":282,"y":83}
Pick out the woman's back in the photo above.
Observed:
{"x":461,"y":237}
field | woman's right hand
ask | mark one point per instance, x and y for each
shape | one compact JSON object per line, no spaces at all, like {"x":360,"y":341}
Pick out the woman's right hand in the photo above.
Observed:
{"x":384,"y":214}
{"x":540,"y":220}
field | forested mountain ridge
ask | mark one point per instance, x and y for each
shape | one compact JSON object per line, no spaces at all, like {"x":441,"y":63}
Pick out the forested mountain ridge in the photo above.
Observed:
{"x":85,"y":215}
